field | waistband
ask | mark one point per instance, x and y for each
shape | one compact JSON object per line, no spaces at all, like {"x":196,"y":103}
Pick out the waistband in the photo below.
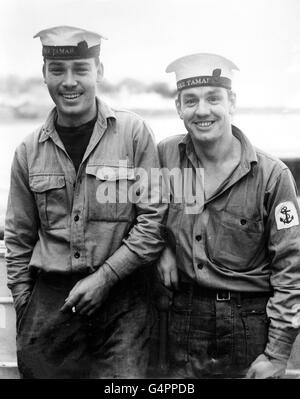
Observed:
{"x":138,"y":277}
{"x":55,"y":278}
{"x":221,"y":295}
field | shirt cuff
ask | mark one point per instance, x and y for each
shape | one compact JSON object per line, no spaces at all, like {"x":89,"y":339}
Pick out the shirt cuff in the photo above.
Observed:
{"x":280,"y":344}
{"x":123,"y":262}
{"x":18,"y":290}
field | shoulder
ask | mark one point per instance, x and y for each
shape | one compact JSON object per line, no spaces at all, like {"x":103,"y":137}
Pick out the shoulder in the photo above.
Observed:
{"x":266,"y":159}
{"x":170,"y":142}
{"x":129,"y":123}
{"x":168,"y":150}
{"x":30,"y":141}
{"x":270,"y":164}
{"x":124,"y":115}
{"x":273,"y":171}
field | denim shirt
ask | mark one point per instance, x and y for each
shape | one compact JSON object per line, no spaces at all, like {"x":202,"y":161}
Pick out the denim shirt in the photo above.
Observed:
{"x":238,"y":241}
{"x":54,"y":220}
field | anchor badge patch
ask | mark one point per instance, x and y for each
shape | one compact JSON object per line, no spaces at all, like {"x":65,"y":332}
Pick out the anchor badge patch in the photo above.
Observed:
{"x":286,"y":215}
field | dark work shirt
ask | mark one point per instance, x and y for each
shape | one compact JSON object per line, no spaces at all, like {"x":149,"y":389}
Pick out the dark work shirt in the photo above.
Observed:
{"x":76,"y":139}
{"x":238,"y":239}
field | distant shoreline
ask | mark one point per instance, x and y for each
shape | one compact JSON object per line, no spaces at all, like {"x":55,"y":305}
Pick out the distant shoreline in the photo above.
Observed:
{"x":11,"y":117}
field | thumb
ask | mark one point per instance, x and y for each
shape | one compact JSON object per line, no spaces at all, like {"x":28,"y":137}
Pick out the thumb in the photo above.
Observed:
{"x":250,"y":373}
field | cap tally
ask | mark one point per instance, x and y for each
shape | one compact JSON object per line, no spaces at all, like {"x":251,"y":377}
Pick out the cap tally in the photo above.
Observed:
{"x":202,"y":69}
{"x":67,"y":42}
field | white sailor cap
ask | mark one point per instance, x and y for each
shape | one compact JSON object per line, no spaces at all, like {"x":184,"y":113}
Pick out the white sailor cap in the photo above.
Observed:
{"x":68,"y":42}
{"x":202,"y":69}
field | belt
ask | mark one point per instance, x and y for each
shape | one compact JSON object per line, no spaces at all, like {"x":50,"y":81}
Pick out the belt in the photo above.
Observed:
{"x":221,"y":295}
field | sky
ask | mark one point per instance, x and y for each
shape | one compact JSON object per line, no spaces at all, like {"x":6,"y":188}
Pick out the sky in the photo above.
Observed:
{"x":262,"y":37}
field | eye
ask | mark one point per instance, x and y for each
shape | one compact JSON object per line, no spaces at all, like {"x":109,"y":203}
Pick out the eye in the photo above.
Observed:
{"x":56,"y":71}
{"x":81,"y":70}
{"x":190,"y":102}
{"x":213,"y":99}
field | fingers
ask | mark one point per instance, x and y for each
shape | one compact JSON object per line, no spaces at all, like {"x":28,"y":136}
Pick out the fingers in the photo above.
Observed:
{"x":167,"y":278}
{"x":73,"y":298}
{"x":250,"y":373}
{"x":70,"y":302}
{"x":164,"y":274}
{"x":68,"y":305}
{"x":170,"y":277}
{"x":160,"y":272}
{"x":174,"y":278}
{"x":84,"y":308}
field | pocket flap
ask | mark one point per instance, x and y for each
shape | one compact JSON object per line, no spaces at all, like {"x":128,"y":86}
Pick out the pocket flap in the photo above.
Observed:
{"x":41,"y":183}
{"x":110,"y":173}
{"x":241,"y":223}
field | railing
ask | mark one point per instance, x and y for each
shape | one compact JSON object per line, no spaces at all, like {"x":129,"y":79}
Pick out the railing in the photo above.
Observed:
{"x":8,"y":361}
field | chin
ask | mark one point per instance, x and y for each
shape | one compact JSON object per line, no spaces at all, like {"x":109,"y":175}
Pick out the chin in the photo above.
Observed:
{"x":71,"y":110}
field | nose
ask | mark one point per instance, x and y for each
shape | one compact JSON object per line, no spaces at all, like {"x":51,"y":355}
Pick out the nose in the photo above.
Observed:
{"x":202,"y":108}
{"x":69,"y":80}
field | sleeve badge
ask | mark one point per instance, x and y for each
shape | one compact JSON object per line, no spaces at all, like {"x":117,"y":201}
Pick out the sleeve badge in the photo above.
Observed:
{"x":286,"y":215}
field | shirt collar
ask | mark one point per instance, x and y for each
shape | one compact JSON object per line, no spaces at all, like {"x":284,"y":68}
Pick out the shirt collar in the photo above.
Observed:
{"x":185,"y":146}
{"x":248,"y":151}
{"x":105,"y":113}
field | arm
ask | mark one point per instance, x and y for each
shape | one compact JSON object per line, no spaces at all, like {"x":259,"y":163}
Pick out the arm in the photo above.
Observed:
{"x":145,"y":239}
{"x":284,"y":252}
{"x":21,"y":230}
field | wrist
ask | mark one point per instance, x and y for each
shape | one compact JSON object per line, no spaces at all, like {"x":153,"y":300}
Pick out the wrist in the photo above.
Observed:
{"x":277,"y":361}
{"x":107,"y":274}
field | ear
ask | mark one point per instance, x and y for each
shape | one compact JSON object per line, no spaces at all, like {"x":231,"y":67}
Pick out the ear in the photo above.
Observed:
{"x":44,"y":72}
{"x":178,"y":108}
{"x":100,"y":71}
{"x":232,"y":101}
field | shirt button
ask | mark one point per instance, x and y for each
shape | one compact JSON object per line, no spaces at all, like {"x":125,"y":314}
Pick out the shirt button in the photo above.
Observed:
{"x":243,"y":221}
{"x":76,"y":218}
{"x":198,"y":237}
{"x":77,"y":255}
{"x":200,"y":266}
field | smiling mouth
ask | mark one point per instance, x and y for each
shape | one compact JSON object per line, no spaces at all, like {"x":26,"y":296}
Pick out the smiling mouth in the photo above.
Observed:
{"x":204,"y":124}
{"x":70,"y":96}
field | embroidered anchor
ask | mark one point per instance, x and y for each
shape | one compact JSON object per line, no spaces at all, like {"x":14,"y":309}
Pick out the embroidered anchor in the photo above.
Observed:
{"x":288,"y":218}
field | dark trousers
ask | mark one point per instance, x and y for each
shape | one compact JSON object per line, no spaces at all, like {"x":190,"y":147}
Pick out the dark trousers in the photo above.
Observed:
{"x":208,"y":337}
{"x":214,"y":338}
{"x":112,"y":343}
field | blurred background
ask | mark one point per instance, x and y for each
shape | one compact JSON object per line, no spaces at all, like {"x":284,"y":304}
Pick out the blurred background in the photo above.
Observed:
{"x":262,"y":37}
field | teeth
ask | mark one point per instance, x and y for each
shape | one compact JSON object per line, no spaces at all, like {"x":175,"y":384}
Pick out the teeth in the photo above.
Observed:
{"x":71,"y":96}
{"x":204,"y":124}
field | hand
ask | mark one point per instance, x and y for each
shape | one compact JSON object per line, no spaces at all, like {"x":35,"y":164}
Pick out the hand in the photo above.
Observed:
{"x":20,"y":304}
{"x":89,"y":293}
{"x":264,"y":367}
{"x":167,"y":268}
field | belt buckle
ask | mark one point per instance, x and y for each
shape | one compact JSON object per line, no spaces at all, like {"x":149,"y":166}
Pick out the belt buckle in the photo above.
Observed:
{"x":220,"y":297}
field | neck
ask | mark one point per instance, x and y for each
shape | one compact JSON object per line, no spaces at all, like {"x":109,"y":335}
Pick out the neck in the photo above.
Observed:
{"x":218,"y":152}
{"x":74,"y":120}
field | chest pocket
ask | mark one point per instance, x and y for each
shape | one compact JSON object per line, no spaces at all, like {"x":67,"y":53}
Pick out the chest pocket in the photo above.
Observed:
{"x":238,"y":240}
{"x":107,"y":192}
{"x":51,"y":199}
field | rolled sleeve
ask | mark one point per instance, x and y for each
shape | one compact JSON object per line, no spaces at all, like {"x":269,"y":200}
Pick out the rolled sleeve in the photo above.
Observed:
{"x":21,"y":226}
{"x":284,"y":250}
